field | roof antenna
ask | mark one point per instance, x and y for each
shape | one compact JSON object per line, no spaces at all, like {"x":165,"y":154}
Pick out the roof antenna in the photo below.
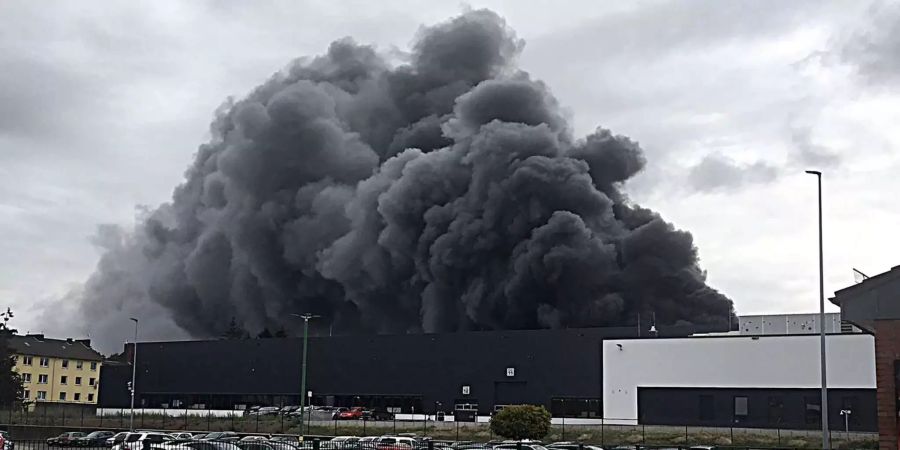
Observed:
{"x":858,"y":276}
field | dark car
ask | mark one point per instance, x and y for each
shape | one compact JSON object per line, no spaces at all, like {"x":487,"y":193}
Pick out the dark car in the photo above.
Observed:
{"x":65,"y":440}
{"x":377,"y":414}
{"x":94,"y":439}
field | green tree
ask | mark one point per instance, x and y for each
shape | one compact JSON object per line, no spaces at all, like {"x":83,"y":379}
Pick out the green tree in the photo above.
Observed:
{"x":521,"y":422}
{"x":11,"y":387}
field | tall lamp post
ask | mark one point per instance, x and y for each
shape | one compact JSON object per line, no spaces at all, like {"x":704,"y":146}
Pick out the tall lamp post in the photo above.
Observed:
{"x":133,"y":372}
{"x":826,"y":441}
{"x":305,"y":317}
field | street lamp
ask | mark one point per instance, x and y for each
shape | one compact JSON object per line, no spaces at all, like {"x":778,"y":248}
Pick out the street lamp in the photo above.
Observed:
{"x":133,"y":372}
{"x":826,"y":444}
{"x":305,"y":317}
{"x":846,"y":413}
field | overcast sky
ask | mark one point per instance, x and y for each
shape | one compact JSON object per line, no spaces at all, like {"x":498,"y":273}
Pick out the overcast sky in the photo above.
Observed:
{"x":102,"y":105}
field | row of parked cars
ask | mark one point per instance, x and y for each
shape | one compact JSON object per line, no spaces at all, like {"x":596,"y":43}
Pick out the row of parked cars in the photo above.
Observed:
{"x":227,"y":440}
{"x":319,"y":412}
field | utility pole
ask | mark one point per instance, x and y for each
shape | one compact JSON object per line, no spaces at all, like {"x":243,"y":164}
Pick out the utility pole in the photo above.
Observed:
{"x":133,"y":372}
{"x":305,"y":317}
{"x":826,"y":441}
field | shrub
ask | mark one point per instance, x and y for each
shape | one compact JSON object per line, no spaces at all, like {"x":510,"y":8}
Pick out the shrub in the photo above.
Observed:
{"x":521,"y":422}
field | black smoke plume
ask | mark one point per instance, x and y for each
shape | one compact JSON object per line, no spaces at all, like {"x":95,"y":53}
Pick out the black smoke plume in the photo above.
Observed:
{"x":446,"y":193}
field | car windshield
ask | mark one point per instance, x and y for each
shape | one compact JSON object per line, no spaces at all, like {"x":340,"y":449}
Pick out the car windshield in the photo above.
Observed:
{"x":132,"y":437}
{"x":96,"y":434}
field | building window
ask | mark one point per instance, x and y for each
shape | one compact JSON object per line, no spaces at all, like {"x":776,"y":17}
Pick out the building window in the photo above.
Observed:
{"x":741,"y":408}
{"x":92,"y":381}
{"x":776,"y":410}
{"x":26,"y":378}
{"x":42,"y":378}
{"x":77,"y":397}
{"x":466,"y":389}
{"x":42,"y":395}
{"x":26,"y":360}
{"x":90,"y":397}
{"x":93,"y":366}
{"x":813,"y":414}
{"x":63,"y":379}
{"x":62,"y":396}
{"x":79,"y":365}
{"x":77,"y":381}
{"x":706,"y":408}
{"x":510,"y":371}
{"x":65,"y":364}
{"x":45,"y":362}
{"x":26,"y":394}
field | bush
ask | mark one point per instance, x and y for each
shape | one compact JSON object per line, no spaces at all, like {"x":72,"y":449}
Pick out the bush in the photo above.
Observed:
{"x":521,"y":422}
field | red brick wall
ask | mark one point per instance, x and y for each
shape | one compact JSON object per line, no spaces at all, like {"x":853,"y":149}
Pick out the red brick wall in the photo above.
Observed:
{"x":887,"y":351}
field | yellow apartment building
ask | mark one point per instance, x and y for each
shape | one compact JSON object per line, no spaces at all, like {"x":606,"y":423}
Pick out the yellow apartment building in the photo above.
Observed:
{"x":57,"y":370}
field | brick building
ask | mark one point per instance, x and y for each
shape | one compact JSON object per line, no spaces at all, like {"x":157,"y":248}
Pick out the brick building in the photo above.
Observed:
{"x":874,"y":306}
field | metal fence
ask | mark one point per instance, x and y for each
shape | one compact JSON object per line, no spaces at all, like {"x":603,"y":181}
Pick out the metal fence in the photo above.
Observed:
{"x":259,"y":442}
{"x":423,"y":426}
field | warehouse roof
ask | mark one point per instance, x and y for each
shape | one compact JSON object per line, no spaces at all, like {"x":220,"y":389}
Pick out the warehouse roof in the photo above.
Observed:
{"x":38,"y":345}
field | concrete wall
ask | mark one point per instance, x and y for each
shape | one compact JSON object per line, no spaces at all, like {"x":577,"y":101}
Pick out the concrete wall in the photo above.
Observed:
{"x":732,"y":361}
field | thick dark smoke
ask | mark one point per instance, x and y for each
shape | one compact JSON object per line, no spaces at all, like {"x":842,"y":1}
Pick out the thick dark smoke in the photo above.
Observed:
{"x":444,"y":194}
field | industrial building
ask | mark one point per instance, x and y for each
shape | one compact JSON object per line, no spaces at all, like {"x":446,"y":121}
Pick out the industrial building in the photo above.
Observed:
{"x":666,"y":376}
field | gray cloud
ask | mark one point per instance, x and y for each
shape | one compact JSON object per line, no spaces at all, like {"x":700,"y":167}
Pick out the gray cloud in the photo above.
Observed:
{"x":873,"y":47}
{"x":808,"y":153}
{"x":717,"y":172}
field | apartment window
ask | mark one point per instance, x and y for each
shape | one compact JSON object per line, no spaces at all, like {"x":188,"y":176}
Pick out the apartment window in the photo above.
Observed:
{"x":26,"y":394}
{"x":26,"y":378}
{"x":42,"y":395}
{"x":77,"y":397}
{"x":93,"y":366}
{"x":92,"y":381}
{"x":90,"y":397}
{"x":42,"y":378}
{"x":79,"y":365}
{"x":706,"y":407}
{"x":45,"y":362}
{"x":26,"y":360}
{"x":77,"y":381}
{"x":65,"y":364}
{"x":776,"y":410}
{"x":62,"y":396}
{"x":741,"y":408}
{"x":63,"y":380}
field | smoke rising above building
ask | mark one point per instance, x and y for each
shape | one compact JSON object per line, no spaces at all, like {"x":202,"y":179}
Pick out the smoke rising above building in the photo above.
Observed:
{"x":446,"y":193}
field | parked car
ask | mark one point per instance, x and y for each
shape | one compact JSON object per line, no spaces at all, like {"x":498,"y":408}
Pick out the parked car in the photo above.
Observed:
{"x":524,"y":446}
{"x":94,"y":439}
{"x":65,"y":440}
{"x":116,"y":439}
{"x":354,"y":413}
{"x":182,"y":436}
{"x":571,"y":446}
{"x":211,"y":445}
{"x":220,"y":436}
{"x":135,"y":441}
{"x":377,"y":414}
{"x":395,"y":443}
{"x":337,"y":412}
